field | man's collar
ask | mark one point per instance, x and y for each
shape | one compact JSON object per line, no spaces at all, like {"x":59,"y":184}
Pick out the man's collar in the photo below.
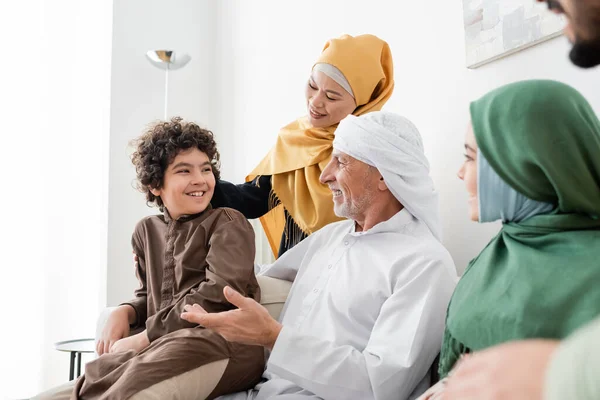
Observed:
{"x":394,"y":224}
{"x":184,"y":217}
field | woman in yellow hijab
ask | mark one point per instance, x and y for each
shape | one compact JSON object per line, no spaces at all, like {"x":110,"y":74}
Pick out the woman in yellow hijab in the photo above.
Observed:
{"x":353,"y":75}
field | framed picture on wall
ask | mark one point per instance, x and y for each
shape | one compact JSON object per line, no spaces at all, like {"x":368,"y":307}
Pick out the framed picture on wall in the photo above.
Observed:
{"x":497,"y":28}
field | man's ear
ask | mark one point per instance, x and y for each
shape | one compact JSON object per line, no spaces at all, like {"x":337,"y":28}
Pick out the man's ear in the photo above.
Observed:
{"x":381,"y":185}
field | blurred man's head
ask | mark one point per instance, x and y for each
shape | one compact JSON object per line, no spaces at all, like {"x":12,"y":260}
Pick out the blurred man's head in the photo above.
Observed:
{"x":583,"y":29}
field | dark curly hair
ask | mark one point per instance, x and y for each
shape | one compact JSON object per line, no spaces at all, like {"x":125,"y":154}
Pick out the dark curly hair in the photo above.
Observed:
{"x":158,"y":146}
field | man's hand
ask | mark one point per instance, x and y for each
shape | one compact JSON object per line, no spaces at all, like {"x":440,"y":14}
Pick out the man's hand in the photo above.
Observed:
{"x":512,"y":371}
{"x":136,"y":342}
{"x":249,"y":324}
{"x":116,"y":328}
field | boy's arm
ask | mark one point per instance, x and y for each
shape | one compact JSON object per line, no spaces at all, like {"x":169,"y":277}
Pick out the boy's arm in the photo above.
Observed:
{"x":139,"y":302}
{"x":230,"y":262}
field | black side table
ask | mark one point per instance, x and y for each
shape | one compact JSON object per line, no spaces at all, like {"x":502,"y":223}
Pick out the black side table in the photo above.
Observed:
{"x":76,"y":347}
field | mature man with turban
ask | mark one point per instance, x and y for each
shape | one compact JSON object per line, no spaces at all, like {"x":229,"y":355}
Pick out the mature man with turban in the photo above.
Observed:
{"x":364,"y":317}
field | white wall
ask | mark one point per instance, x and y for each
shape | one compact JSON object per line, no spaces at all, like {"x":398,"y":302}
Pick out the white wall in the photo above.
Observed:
{"x":55,"y":185}
{"x":187,"y":26}
{"x":267,"y":47}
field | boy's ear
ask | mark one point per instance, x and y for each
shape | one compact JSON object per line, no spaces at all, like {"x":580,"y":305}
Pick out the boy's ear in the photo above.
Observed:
{"x":155,"y":192}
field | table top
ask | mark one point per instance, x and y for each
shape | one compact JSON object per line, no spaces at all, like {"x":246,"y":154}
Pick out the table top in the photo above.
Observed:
{"x":78,"y":345}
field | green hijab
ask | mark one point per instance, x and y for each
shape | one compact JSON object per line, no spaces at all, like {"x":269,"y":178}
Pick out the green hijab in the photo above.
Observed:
{"x":539,"y":278}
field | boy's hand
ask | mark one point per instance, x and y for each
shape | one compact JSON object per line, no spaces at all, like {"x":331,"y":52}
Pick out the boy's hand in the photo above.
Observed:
{"x":116,"y":328}
{"x":249,"y":324}
{"x":136,"y":342}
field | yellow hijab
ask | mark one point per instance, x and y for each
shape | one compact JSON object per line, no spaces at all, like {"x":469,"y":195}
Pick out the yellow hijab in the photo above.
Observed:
{"x":302,"y":152}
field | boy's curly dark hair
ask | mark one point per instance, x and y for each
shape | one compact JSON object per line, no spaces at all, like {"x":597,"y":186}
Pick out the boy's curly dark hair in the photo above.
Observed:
{"x":158,"y":146}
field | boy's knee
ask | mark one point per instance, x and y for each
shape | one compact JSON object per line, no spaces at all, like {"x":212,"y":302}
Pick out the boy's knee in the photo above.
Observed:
{"x":195,"y":384}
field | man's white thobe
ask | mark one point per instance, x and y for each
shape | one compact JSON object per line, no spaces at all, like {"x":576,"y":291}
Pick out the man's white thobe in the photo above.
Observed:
{"x":365,"y":316}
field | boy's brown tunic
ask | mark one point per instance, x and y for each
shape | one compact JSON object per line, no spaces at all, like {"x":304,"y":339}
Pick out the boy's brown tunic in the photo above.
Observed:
{"x":184,"y":261}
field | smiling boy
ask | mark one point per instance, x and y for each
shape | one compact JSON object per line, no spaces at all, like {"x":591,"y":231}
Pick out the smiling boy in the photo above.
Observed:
{"x":187,"y":255}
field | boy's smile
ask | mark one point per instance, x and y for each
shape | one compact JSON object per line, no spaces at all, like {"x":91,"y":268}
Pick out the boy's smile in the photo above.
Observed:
{"x":196,"y":194}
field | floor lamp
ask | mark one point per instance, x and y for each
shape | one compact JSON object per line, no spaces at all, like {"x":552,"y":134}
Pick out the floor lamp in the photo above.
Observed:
{"x":167,"y":60}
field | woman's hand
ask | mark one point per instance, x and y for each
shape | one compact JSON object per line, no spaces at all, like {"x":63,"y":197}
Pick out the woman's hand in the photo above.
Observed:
{"x":116,"y":328}
{"x":136,"y":342}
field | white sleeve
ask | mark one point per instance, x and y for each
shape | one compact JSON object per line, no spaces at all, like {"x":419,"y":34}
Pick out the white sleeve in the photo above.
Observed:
{"x":405,"y":340}
{"x":286,"y":267}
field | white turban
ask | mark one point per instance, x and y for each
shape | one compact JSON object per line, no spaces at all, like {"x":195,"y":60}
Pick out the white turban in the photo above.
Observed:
{"x":393,"y":145}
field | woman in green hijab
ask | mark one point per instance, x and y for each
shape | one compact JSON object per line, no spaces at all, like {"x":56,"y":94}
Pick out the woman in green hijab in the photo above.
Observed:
{"x":532,"y":161}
